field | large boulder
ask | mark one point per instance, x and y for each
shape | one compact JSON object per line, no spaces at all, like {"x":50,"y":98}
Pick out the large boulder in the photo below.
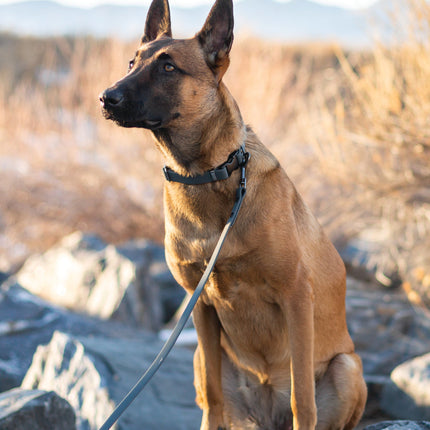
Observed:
{"x":92,"y":363}
{"x":65,"y":367}
{"x":35,"y":410}
{"x":94,"y":374}
{"x":407,"y":396}
{"x":387,"y":330}
{"x":27,"y":321}
{"x":130,"y":283}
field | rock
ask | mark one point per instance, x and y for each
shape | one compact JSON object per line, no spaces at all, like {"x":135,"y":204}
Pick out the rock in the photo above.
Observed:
{"x":154,"y":272}
{"x":400,"y":425}
{"x":64,"y":366}
{"x":35,"y":410}
{"x":3,"y":276}
{"x":84,"y":274}
{"x":94,"y":374}
{"x":22,"y":316}
{"x":387,"y":330}
{"x":366,"y":260}
{"x":27,"y":321}
{"x":407,"y":396}
{"x":93,"y":363}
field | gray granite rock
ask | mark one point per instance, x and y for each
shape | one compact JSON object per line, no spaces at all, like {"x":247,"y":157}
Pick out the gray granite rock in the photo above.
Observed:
{"x":27,"y":321}
{"x":94,"y":365}
{"x":387,"y":330}
{"x":35,"y":410}
{"x":84,"y":274}
{"x":407,"y":395}
{"x":94,"y":374}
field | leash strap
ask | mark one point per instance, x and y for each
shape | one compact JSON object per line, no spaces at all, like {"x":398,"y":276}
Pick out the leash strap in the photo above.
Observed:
{"x":167,"y":347}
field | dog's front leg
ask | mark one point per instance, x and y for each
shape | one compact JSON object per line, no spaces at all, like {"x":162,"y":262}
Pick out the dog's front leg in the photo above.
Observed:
{"x":207,"y":367}
{"x":301,"y":335}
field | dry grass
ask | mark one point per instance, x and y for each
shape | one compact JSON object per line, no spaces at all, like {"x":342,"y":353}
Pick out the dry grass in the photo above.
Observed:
{"x":351,"y":129}
{"x":63,"y":167}
{"x":67,"y":168}
{"x":374,"y":146}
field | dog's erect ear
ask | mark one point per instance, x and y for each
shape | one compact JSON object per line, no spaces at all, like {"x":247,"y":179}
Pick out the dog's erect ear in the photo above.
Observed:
{"x":216,"y":36}
{"x":157,"y":21}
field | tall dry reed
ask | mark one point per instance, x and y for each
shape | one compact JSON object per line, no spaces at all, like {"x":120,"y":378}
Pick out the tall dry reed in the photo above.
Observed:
{"x":374,"y":146}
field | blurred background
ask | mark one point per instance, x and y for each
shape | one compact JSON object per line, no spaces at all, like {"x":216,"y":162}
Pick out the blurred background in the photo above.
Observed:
{"x":339,"y":91}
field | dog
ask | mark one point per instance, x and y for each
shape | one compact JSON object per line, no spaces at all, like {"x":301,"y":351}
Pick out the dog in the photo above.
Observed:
{"x":274,"y":352}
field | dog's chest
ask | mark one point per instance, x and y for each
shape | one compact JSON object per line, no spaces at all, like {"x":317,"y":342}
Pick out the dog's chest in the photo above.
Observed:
{"x":248,"y":301}
{"x":252,"y":320}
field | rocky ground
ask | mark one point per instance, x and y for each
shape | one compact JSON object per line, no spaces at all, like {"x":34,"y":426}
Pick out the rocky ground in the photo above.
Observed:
{"x":80,"y":324}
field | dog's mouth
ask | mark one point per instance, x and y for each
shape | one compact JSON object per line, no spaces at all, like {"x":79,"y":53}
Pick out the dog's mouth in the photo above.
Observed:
{"x":129,"y":119}
{"x":124,"y":120}
{"x":131,"y":111}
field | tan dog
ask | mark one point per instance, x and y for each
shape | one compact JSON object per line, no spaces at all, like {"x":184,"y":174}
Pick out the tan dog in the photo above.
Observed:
{"x":274,"y":350}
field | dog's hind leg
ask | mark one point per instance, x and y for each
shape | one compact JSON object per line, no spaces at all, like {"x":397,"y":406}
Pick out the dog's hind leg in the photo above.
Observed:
{"x":341,"y":394}
{"x":251,"y":405}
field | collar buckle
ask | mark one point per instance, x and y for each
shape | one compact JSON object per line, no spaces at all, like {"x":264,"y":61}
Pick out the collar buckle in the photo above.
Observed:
{"x":166,"y":173}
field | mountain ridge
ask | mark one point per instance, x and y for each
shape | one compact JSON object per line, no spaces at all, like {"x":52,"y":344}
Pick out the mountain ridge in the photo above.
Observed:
{"x":294,"y":21}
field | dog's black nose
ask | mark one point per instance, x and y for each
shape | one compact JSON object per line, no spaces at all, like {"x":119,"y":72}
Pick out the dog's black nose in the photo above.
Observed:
{"x":111,"y":97}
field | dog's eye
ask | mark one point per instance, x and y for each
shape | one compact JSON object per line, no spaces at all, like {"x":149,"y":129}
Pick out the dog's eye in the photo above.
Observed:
{"x":130,"y":64}
{"x":169,"y":67}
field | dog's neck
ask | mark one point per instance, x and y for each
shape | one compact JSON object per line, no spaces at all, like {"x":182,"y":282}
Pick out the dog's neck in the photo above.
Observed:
{"x":204,"y":146}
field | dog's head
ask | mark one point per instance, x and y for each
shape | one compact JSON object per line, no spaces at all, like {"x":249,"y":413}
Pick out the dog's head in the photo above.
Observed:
{"x":171,"y":81}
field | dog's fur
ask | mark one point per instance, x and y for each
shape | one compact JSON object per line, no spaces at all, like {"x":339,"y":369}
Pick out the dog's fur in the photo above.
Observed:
{"x":273,"y":346}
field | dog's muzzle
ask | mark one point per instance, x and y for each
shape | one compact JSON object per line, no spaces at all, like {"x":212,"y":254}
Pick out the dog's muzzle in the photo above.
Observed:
{"x":111,"y":98}
{"x":115,"y":107}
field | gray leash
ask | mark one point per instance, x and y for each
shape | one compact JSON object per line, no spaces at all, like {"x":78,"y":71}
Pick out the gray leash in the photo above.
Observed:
{"x":158,"y":361}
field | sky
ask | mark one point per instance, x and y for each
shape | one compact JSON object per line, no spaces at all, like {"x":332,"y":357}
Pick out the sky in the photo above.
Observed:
{"x":352,"y":4}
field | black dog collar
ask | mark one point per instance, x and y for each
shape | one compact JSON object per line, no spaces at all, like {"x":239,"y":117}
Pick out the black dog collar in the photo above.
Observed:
{"x":235,"y":160}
